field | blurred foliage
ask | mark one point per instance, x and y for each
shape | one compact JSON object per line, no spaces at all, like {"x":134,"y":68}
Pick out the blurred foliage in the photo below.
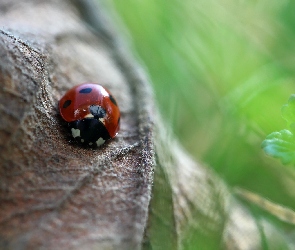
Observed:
{"x":221,"y":71}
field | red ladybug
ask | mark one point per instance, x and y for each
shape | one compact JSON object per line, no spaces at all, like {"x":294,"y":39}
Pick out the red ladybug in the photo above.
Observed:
{"x":92,"y":113}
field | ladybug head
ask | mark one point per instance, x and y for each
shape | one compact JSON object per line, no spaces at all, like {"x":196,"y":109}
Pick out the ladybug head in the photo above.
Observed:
{"x":97,"y":111}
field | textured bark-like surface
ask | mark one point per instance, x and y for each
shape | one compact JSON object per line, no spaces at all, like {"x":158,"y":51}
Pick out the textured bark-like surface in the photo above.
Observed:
{"x":55,"y":194}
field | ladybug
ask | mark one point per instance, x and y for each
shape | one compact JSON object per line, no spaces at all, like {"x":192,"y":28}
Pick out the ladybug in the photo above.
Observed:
{"x":92,"y":113}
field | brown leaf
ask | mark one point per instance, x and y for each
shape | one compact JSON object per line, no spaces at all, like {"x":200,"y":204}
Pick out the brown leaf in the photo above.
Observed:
{"x":55,"y":194}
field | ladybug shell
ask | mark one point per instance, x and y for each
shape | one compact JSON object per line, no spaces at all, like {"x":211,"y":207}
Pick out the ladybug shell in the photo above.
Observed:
{"x":80,"y":100}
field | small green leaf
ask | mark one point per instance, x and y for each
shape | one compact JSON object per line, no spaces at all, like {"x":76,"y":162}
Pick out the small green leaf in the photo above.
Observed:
{"x":281,"y":145}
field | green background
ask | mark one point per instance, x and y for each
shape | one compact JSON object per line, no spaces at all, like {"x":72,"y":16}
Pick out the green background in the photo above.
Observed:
{"x":221,"y":71}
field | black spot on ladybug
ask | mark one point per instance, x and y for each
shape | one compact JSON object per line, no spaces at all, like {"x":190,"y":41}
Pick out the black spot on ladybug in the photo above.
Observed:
{"x":91,"y":130}
{"x":67,"y":103}
{"x":85,"y":91}
{"x":113,"y":100}
{"x":119,"y":119}
{"x":97,"y":111}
